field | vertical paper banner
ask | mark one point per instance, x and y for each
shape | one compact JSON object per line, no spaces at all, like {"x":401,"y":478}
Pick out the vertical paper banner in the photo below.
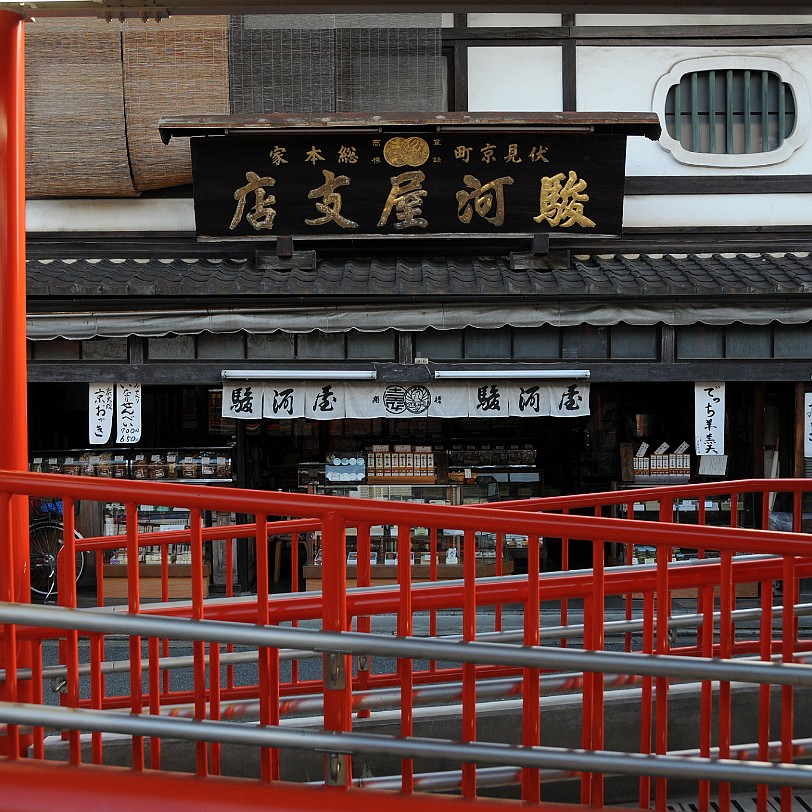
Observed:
{"x":128,"y":412}
{"x":709,"y":418}
{"x":100,"y":412}
{"x":808,"y":424}
{"x":283,"y":401}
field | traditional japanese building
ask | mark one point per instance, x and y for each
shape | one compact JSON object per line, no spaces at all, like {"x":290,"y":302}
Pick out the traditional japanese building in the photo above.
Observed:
{"x":636,"y":283}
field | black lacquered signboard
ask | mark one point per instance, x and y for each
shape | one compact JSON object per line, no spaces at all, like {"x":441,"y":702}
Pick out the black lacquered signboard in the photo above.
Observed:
{"x":332,"y":183}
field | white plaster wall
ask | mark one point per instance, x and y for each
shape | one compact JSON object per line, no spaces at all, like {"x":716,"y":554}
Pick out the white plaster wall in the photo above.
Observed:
{"x":514,"y":79}
{"x":660,"y":211}
{"x":639,"y":211}
{"x":691,"y":19}
{"x":623,"y":80}
{"x":133,"y":215}
{"x":479,"y":20}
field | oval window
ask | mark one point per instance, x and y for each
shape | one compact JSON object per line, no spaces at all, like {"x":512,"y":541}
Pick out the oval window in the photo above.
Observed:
{"x":729,"y":111}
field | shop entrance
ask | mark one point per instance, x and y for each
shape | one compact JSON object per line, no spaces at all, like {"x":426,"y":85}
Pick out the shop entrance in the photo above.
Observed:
{"x":483,"y":459}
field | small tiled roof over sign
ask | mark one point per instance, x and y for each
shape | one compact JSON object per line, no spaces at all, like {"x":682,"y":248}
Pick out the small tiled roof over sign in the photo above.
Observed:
{"x":86,"y":298}
{"x":635,"y":275}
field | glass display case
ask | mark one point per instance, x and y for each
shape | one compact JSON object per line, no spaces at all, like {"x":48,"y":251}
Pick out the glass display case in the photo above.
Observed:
{"x":716,"y":513}
{"x":212,"y":465}
{"x":152,"y":519}
{"x":497,"y":483}
{"x":209,"y":465}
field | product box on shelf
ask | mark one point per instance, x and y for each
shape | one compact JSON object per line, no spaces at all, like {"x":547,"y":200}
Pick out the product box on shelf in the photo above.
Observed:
{"x":401,"y":462}
{"x":137,"y":463}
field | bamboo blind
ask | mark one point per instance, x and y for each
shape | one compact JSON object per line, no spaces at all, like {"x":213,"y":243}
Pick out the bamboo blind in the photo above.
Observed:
{"x":75,"y":134}
{"x":175,"y":67}
{"x":96,"y":90}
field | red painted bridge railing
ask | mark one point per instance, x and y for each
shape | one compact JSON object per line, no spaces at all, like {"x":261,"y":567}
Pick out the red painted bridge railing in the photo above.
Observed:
{"x":355,"y":672}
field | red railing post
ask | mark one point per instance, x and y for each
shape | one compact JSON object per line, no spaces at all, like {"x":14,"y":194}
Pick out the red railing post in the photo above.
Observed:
{"x":663,"y":608}
{"x":337,"y":667}
{"x":14,"y":430}
{"x":531,"y":719}
{"x":469,"y":669}
{"x":364,"y":622}
{"x":14,"y":575}
{"x":405,"y":665}
{"x":787,"y":692}
{"x":766,"y":650}
{"x":199,"y":647}
{"x":133,"y":607}
{"x":66,"y":569}
{"x":597,"y":643}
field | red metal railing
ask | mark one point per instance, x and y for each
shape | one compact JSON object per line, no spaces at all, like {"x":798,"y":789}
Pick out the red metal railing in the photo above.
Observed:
{"x":635,"y":621}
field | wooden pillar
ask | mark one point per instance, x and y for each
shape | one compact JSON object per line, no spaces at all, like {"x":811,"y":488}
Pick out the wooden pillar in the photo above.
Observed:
{"x":800,"y":423}
{"x":758,"y":430}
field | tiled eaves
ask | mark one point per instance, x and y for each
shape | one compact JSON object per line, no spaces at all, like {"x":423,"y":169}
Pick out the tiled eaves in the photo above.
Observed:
{"x":446,"y":276}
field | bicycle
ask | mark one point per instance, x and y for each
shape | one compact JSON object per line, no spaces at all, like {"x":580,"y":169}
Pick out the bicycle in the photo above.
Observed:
{"x":46,"y":539}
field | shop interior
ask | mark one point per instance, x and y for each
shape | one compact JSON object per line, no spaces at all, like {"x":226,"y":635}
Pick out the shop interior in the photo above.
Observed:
{"x":473,"y":459}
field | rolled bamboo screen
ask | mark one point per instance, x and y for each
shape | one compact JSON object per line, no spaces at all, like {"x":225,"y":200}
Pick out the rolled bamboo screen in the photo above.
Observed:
{"x":96,"y":90}
{"x":76,"y":140}
{"x":177,"y":67}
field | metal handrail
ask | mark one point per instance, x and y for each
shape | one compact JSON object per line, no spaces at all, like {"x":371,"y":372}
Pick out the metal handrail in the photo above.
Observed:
{"x":539,"y":757}
{"x":470,"y":666}
{"x":355,"y":643}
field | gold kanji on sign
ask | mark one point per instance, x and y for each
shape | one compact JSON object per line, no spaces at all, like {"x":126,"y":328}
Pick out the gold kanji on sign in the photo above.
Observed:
{"x":562,"y":204}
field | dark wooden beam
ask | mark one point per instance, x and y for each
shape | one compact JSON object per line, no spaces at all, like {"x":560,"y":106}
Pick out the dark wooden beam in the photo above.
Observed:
{"x":692,"y":32}
{"x":207,"y":373}
{"x":148,"y":9}
{"x":730,"y":184}
{"x":697,"y":35}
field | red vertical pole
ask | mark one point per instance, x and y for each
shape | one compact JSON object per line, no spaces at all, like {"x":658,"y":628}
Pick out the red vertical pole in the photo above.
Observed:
{"x":14,"y":585}
{"x":787,"y":656}
{"x":133,"y":607}
{"x":14,"y":575}
{"x":727,"y":635}
{"x":469,"y":669}
{"x":264,"y":654}
{"x":661,"y":683}
{"x":598,"y":641}
{"x":153,"y":645}
{"x":406,"y":664}
{"x":199,"y":647}
{"x":531,"y":718}
{"x":364,"y":622}
{"x":334,"y":618}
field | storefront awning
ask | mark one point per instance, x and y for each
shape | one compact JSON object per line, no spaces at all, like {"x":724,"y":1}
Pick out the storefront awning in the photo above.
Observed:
{"x":372,"y":318}
{"x":81,"y":298}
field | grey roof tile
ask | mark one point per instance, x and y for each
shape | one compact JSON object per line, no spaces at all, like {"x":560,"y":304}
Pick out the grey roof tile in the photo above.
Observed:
{"x":589,"y":275}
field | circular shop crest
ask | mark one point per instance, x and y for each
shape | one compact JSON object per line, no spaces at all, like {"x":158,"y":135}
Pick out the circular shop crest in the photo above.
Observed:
{"x":399,"y":399}
{"x":412,"y":151}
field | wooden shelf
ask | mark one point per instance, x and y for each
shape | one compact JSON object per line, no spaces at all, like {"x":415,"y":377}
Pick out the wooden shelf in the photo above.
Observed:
{"x":381,"y":574}
{"x":149,"y":581}
{"x":391,"y":480}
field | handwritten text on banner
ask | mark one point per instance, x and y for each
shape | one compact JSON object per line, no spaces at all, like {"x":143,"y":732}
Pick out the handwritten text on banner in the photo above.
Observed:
{"x":328,"y":400}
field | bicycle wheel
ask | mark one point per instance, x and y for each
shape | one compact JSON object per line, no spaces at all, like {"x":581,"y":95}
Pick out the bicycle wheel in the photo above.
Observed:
{"x":46,"y":539}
